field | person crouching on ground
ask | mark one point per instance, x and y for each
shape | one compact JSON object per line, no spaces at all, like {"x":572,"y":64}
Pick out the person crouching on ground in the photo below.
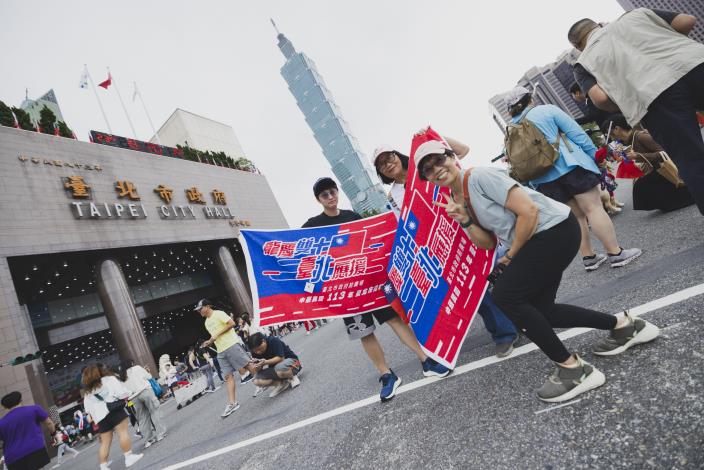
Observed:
{"x":282,"y":364}
{"x":543,"y":237}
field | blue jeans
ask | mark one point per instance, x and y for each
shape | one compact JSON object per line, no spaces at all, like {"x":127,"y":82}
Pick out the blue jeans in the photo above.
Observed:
{"x":496,"y":323}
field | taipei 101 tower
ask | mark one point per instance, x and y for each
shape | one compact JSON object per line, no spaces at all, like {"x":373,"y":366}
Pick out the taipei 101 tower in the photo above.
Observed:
{"x":356,"y":177}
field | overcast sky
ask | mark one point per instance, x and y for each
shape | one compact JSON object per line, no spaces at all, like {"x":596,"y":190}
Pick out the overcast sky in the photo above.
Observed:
{"x":392,"y":66}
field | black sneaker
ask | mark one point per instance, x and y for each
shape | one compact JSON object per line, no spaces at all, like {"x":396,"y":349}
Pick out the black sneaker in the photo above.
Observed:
{"x":389,"y":383}
{"x":247,"y":378}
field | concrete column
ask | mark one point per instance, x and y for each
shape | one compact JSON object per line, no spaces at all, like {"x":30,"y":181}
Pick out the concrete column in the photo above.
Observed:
{"x":233,"y":282}
{"x":122,"y":316}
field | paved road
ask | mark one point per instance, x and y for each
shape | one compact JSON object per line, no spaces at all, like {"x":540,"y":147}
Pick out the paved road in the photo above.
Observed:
{"x":648,"y":415}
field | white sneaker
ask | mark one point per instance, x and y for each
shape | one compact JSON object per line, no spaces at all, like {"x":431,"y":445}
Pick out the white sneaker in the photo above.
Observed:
{"x":258,"y":390}
{"x":148,"y":444}
{"x":229,"y":409}
{"x":131,"y":459}
{"x":279,"y":388}
{"x":295,"y":381}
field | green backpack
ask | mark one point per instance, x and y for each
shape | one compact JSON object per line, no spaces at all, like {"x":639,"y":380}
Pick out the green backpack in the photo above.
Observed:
{"x":528,"y":151}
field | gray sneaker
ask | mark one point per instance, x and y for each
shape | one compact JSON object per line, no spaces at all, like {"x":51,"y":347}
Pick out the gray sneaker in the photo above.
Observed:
{"x":625,"y":257}
{"x":505,"y":349}
{"x":638,"y":331}
{"x":279,"y":388}
{"x":566,"y":383}
{"x":590,"y":264}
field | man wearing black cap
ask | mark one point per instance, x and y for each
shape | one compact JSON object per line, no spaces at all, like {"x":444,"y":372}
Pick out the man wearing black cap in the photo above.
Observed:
{"x":362,"y":326}
{"x":231,"y":353}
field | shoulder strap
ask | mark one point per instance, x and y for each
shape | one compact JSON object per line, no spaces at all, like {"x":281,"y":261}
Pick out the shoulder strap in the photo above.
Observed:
{"x":467,"y":200}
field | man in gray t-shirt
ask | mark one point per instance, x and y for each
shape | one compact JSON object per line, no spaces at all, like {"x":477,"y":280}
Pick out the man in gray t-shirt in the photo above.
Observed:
{"x":488,"y":190}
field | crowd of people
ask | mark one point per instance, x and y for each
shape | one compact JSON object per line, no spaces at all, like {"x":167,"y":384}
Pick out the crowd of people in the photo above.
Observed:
{"x":639,"y":79}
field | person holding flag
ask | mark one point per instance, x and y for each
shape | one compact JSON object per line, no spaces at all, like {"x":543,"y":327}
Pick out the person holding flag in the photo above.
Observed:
{"x":362,"y":326}
{"x":392,"y":168}
{"x":543,"y":237}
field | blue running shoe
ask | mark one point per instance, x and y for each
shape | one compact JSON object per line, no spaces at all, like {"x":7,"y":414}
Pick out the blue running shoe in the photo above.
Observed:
{"x":389,"y":384}
{"x":432,"y":368}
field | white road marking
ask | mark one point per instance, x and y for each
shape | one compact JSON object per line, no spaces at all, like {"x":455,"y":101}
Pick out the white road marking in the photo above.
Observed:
{"x":558,"y":406}
{"x":656,"y":304}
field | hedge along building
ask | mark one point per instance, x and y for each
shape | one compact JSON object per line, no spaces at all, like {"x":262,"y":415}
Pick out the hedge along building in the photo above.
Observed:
{"x":104,"y":251}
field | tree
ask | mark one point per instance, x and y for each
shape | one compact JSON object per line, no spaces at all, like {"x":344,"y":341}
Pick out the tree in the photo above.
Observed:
{"x":47,"y":120}
{"x":64,"y":130}
{"x":370,"y":213}
{"x":6,"y":117}
{"x":23,"y":119}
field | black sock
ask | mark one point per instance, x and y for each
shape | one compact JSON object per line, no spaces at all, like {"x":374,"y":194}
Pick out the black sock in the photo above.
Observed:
{"x":617,"y":254}
{"x":588,"y":257}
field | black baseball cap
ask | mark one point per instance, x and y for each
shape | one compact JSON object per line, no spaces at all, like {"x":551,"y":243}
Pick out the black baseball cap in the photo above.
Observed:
{"x":202,"y":303}
{"x":322,"y":184}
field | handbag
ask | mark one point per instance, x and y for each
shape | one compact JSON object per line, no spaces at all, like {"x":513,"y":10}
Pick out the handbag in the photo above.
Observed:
{"x":112,"y":405}
{"x":667,"y":168}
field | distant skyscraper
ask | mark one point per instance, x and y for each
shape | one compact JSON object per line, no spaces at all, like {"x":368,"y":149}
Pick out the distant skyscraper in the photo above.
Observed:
{"x":34,"y":107}
{"x":550,"y":84}
{"x":357,"y":179}
{"x":692,"y":7}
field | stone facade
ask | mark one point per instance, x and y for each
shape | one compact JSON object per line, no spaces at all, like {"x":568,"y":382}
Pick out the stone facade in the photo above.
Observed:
{"x":38,"y":217}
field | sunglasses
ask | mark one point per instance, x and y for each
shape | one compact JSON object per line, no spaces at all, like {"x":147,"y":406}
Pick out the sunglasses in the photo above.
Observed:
{"x":385,"y":160}
{"x":430,"y":163}
{"x":330,"y":193}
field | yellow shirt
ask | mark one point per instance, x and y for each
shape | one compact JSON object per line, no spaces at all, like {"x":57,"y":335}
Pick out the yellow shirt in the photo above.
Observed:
{"x":215,"y":323}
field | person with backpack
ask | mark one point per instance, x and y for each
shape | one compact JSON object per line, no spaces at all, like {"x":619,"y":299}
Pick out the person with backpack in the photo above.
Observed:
{"x":542,"y":236}
{"x":144,"y":401}
{"x":549,"y":152}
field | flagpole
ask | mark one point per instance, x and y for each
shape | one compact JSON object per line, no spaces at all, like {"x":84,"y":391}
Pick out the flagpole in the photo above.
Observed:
{"x":95,"y":92}
{"x":139,"y":93}
{"x":134,"y":133}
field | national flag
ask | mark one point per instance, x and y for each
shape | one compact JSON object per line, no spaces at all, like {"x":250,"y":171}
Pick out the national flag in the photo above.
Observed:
{"x":83,"y":83}
{"x":105,"y":84}
{"x":394,"y":301}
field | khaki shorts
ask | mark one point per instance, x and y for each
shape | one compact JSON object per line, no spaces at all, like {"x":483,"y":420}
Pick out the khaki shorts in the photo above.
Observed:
{"x":232,"y":359}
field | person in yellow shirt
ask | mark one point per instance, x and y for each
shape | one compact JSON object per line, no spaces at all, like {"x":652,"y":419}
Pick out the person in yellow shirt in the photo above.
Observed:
{"x":231,"y":353}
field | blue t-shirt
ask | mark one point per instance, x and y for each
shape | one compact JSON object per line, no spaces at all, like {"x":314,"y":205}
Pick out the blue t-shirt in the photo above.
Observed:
{"x":275,"y":347}
{"x":21,"y":432}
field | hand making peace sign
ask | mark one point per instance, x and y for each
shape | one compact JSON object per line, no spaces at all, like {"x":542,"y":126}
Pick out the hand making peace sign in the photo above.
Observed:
{"x":456,"y":211}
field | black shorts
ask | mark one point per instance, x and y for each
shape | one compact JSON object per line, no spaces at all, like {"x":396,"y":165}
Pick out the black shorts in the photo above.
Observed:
{"x":577,"y":181}
{"x":363,"y":325}
{"x":113,"y":418}
{"x":33,"y":461}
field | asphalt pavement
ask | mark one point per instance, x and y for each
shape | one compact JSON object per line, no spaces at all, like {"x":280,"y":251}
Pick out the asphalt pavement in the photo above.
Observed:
{"x":649,"y":414}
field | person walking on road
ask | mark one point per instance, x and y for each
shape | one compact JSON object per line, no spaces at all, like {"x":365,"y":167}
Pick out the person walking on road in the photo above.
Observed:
{"x":362,"y":326}
{"x":21,"y":433}
{"x":231,"y":353}
{"x":62,"y":447}
{"x":542,"y":236}
{"x":197,"y":360}
{"x":644,"y":66}
{"x":574,"y":178}
{"x":104,"y":400}
{"x":145,"y":402}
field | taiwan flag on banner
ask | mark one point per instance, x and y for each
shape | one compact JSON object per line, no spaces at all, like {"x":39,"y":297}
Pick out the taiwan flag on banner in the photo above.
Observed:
{"x":321,"y":272}
{"x":439,"y":274}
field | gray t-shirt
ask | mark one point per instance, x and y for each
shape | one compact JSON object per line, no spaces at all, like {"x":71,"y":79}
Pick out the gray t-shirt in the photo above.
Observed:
{"x":488,"y":190}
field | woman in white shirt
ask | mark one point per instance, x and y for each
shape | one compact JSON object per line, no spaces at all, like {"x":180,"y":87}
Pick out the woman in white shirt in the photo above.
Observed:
{"x":146,"y":405}
{"x":102,"y":399}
